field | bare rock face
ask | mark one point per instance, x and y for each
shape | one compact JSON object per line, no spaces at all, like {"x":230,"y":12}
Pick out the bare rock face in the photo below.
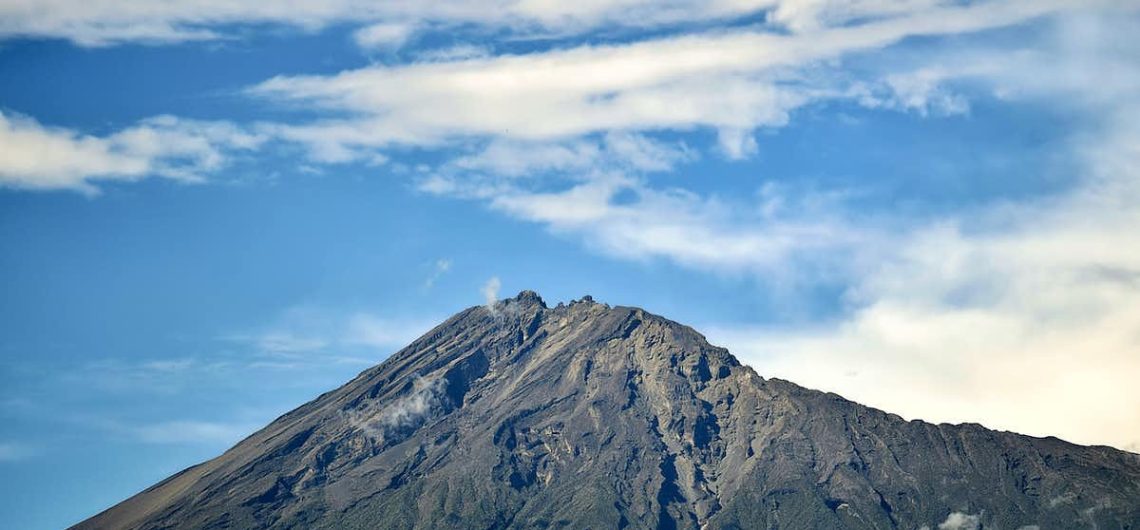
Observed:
{"x":587,"y":416}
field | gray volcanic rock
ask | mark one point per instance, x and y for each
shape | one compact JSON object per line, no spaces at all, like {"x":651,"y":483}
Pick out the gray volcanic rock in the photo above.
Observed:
{"x":587,"y":416}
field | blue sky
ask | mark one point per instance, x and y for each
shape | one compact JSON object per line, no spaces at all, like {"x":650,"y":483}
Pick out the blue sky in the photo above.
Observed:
{"x":210,"y":215}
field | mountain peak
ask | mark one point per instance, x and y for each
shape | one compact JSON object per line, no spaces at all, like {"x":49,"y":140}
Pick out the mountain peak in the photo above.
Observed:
{"x":586,"y":415}
{"x":528,"y":297}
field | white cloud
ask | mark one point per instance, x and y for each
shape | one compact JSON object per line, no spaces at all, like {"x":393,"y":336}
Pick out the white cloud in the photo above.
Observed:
{"x":384,"y":35}
{"x":1024,"y":318}
{"x":597,"y":192}
{"x":39,"y":157}
{"x":730,"y":81}
{"x":706,"y":233}
{"x":966,"y":319}
{"x":737,"y":143}
{"x":104,"y":22}
{"x":921,"y":91}
{"x":458,"y":52}
{"x":513,"y":158}
{"x":577,"y":158}
{"x":812,"y":15}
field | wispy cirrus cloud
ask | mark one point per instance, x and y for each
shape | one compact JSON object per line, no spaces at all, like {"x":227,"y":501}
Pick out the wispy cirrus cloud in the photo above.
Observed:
{"x":325,"y":345}
{"x":102,"y":22}
{"x":730,"y":81}
{"x":716,"y":234}
{"x":212,"y":428}
{"x":573,"y":158}
{"x":582,"y":186}
{"x":438,"y":269}
{"x":303,"y":339}
{"x":383,"y":35}
{"x":304,"y":335}
{"x":192,"y":432}
{"x":215,"y":427}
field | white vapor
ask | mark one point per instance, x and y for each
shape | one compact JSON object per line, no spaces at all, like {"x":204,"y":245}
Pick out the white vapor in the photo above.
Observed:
{"x":960,"y":521}
{"x":424,"y":400}
{"x":490,"y":291}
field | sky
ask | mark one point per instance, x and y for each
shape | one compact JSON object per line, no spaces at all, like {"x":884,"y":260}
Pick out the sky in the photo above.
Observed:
{"x":212,"y":212}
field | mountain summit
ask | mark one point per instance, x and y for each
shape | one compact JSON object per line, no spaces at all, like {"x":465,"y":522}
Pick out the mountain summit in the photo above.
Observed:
{"x":517,"y":415}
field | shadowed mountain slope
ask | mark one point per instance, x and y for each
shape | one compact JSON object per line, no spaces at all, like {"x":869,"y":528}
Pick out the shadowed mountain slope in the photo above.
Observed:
{"x":591,"y":416}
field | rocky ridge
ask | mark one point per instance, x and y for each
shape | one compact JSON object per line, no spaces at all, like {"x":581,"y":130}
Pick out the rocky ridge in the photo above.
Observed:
{"x":519,"y":415}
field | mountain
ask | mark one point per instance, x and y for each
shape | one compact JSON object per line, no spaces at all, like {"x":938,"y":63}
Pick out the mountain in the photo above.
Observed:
{"x":590,"y":416}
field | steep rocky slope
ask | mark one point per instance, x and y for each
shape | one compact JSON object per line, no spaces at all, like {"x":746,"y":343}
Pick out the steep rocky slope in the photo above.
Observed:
{"x":587,"y":416}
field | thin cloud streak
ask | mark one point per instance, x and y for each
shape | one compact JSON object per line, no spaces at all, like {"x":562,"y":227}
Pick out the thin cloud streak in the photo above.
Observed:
{"x":193,"y":432}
